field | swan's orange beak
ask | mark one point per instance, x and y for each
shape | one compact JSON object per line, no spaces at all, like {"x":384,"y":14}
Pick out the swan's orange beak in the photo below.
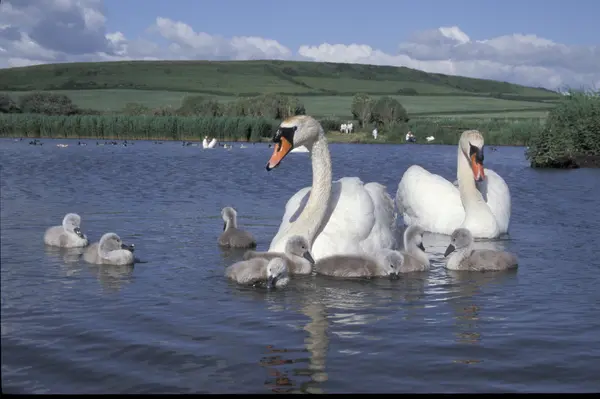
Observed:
{"x":280,"y":150}
{"x":477,"y":167}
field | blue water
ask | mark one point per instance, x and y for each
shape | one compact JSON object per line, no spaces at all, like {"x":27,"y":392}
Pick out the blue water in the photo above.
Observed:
{"x":176,"y":325}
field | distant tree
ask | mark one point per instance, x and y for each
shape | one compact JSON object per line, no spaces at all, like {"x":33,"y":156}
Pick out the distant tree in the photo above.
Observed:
{"x":362,"y":108}
{"x":7,"y":105}
{"x":47,"y":103}
{"x":134,"y":109}
{"x":388,"y":110}
{"x":200,"y":106}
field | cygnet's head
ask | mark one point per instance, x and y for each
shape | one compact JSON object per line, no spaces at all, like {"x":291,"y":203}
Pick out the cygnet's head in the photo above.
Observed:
{"x":471,"y":144}
{"x":112,"y":242}
{"x":72,"y":223}
{"x":229,"y":215}
{"x":392,"y":263}
{"x":460,"y":238}
{"x":298,"y":245}
{"x":413,"y":235}
{"x":296,"y":131}
{"x":277,"y":273}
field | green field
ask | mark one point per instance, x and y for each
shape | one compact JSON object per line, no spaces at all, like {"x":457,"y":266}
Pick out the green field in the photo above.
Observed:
{"x":326,"y":89}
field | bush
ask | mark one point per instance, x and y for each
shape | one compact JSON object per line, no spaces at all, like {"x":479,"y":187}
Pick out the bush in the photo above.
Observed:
{"x":144,"y":127}
{"x":571,"y":133}
{"x":47,"y":103}
{"x":8,"y":105}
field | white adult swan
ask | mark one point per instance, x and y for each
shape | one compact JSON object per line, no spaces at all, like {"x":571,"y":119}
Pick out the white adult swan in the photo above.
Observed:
{"x":205,"y":142}
{"x":212,"y":143}
{"x":481,"y":202}
{"x":346,"y":217}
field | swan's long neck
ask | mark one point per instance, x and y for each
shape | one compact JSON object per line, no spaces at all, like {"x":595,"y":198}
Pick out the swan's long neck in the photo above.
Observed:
{"x":471,"y":198}
{"x":231,"y":223}
{"x":309,"y":222}
{"x":418,"y":254}
{"x":458,"y":256}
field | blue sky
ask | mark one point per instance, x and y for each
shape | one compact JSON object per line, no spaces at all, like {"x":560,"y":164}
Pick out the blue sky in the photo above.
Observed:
{"x":384,"y":24}
{"x":550,"y":43}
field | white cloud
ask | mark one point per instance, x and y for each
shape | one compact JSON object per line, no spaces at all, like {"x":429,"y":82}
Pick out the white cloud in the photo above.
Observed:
{"x":45,"y":31}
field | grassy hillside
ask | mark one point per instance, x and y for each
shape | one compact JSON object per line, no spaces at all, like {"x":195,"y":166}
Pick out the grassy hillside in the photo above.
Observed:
{"x":227,"y":78}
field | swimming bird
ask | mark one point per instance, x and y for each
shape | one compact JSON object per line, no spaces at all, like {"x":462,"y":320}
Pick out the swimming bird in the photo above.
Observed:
{"x":415,"y":257}
{"x":297,"y":253}
{"x":351,"y":266}
{"x":232,"y":237}
{"x":338,"y":218}
{"x":68,"y":235}
{"x":110,"y":250}
{"x":258,"y":271}
{"x":480,"y":201}
{"x":464,"y":257}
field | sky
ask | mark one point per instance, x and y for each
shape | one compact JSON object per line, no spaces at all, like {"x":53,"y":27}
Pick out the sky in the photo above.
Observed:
{"x":553,"y":44}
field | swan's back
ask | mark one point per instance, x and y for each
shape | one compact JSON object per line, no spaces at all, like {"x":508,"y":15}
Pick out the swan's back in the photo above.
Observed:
{"x":91,"y":255}
{"x":348,"y":266}
{"x":57,"y":236}
{"x":382,"y":233}
{"x":490,"y":260}
{"x":248,"y":271}
{"x":296,"y":264}
{"x":429,"y":200}
{"x":237,"y":238}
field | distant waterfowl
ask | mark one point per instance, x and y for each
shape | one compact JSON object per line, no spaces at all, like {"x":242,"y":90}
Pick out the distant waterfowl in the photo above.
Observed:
{"x":232,"y":237}
{"x":110,"y":250}
{"x":297,"y":253}
{"x":68,"y":235}
{"x":353,"y":266}
{"x":255,"y":271}
{"x":464,"y":257}
{"x":480,"y":201}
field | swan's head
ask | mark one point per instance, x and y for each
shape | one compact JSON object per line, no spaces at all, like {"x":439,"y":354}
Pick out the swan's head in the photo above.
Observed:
{"x":413,"y":235}
{"x":392,"y":263}
{"x":471,"y":144}
{"x":112,"y":242}
{"x":460,"y":238}
{"x":229,"y":215}
{"x":298,"y":245}
{"x":296,"y":131}
{"x":277,"y":273}
{"x":72,"y":223}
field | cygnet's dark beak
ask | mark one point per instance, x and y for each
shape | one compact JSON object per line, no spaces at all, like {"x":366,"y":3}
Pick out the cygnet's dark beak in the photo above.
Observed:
{"x":421,"y":247}
{"x":130,"y":248}
{"x":224,"y":225}
{"x":394,"y":276}
{"x":309,"y":257}
{"x":271,"y":281}
{"x":451,"y":248}
{"x":78,"y":231}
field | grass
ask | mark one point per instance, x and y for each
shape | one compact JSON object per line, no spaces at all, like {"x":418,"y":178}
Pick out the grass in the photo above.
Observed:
{"x":253,"y":77}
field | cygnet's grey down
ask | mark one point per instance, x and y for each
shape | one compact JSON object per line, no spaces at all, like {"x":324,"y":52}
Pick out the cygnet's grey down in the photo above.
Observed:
{"x":464,"y":257}
{"x":297,"y":254}
{"x":415,"y":258}
{"x":68,"y":235}
{"x":233,"y":237}
{"x":350,"y":266}
{"x":257,"y":271}
{"x":109,"y":251}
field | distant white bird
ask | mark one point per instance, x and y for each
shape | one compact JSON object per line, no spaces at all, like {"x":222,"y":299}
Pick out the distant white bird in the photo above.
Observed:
{"x":430,"y":138}
{"x":212,"y":143}
{"x":205,"y":142}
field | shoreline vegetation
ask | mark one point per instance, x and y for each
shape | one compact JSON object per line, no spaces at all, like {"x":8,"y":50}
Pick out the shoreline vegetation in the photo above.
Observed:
{"x":246,"y":101}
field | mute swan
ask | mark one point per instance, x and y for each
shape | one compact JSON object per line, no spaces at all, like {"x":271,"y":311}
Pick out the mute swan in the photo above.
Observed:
{"x":233,"y":237}
{"x":212,"y":143}
{"x":205,"y":142}
{"x":415,"y":258}
{"x":68,"y":235}
{"x":273,"y":273}
{"x":439,"y":206}
{"x":297,"y":253}
{"x":464,"y":257}
{"x":346,"y":217}
{"x":109,"y":251}
{"x":350,"y":266}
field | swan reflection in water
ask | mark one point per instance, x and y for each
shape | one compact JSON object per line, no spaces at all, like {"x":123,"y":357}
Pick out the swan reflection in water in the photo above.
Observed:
{"x":112,"y":277}
{"x":468,"y":312}
{"x":68,"y":258}
{"x":333,"y":306}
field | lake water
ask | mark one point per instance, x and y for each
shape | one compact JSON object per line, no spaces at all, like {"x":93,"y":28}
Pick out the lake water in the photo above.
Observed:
{"x":176,"y":325}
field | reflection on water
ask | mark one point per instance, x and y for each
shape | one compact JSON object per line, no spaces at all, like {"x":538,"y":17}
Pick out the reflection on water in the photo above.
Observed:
{"x":112,"y":277}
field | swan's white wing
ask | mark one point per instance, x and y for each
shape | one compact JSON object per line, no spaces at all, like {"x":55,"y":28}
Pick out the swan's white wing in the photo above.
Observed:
{"x":429,"y":200}
{"x":498,"y":198}
{"x":382,"y":234}
{"x":293,"y":209}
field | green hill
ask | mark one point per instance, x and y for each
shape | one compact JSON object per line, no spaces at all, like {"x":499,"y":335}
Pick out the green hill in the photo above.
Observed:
{"x":226,"y":78}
